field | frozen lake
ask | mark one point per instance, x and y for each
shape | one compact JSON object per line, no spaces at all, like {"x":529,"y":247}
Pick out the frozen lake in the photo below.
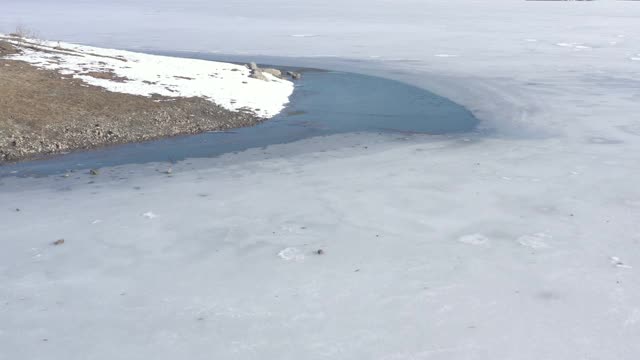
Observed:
{"x":519,"y":243}
{"x":324,"y":103}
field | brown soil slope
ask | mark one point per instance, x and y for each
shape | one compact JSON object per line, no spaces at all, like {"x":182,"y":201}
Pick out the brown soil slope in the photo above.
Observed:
{"x":43,"y":112}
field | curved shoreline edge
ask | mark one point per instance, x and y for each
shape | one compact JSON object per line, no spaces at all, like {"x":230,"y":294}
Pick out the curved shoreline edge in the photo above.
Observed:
{"x":134,"y":119}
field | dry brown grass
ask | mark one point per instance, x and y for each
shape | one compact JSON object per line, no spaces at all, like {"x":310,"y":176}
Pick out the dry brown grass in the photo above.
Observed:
{"x":37,"y":98}
{"x":7,"y":49}
{"x":42,"y":112}
{"x":106,"y":75}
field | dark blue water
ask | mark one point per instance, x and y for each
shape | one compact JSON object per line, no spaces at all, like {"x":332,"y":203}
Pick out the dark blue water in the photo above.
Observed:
{"x":323,"y":103}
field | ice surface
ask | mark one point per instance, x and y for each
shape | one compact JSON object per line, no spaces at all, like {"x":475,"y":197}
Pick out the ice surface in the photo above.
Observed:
{"x":519,"y":245}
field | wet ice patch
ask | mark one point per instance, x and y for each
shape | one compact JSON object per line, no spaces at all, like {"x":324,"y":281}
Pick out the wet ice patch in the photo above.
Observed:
{"x":535,"y":241}
{"x":291,"y":254}
{"x":474,"y":239}
{"x":633,"y":129}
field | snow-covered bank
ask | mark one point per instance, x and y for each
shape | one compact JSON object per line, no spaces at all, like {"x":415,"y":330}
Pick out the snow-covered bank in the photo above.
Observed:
{"x":227,"y":85}
{"x":524,"y":245}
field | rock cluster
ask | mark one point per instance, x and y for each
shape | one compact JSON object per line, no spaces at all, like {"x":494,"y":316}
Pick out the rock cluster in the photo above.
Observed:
{"x":258,"y":73}
{"x":294,"y":75}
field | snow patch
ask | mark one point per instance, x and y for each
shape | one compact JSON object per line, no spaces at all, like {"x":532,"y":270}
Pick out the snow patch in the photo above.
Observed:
{"x":474,"y":239}
{"x":575,"y":46}
{"x":225,"y":84}
{"x":535,"y":241}
{"x":291,"y":254}
{"x":150,"y":215}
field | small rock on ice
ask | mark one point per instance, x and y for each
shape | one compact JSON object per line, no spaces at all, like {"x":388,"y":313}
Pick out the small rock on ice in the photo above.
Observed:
{"x":274,"y":72}
{"x":619,"y":263}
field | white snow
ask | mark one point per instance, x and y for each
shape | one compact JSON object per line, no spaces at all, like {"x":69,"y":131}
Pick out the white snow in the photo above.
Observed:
{"x":535,"y":241}
{"x":291,"y":254}
{"x":204,"y":280}
{"x":150,"y":215}
{"x":575,"y":46}
{"x":474,"y":239}
{"x":227,"y":85}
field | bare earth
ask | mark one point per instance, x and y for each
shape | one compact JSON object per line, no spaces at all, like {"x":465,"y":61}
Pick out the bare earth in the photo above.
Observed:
{"x":43,"y":112}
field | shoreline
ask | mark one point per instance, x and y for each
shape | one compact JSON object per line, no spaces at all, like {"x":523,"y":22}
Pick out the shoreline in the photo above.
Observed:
{"x":326,"y":102}
{"x":46,"y":110}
